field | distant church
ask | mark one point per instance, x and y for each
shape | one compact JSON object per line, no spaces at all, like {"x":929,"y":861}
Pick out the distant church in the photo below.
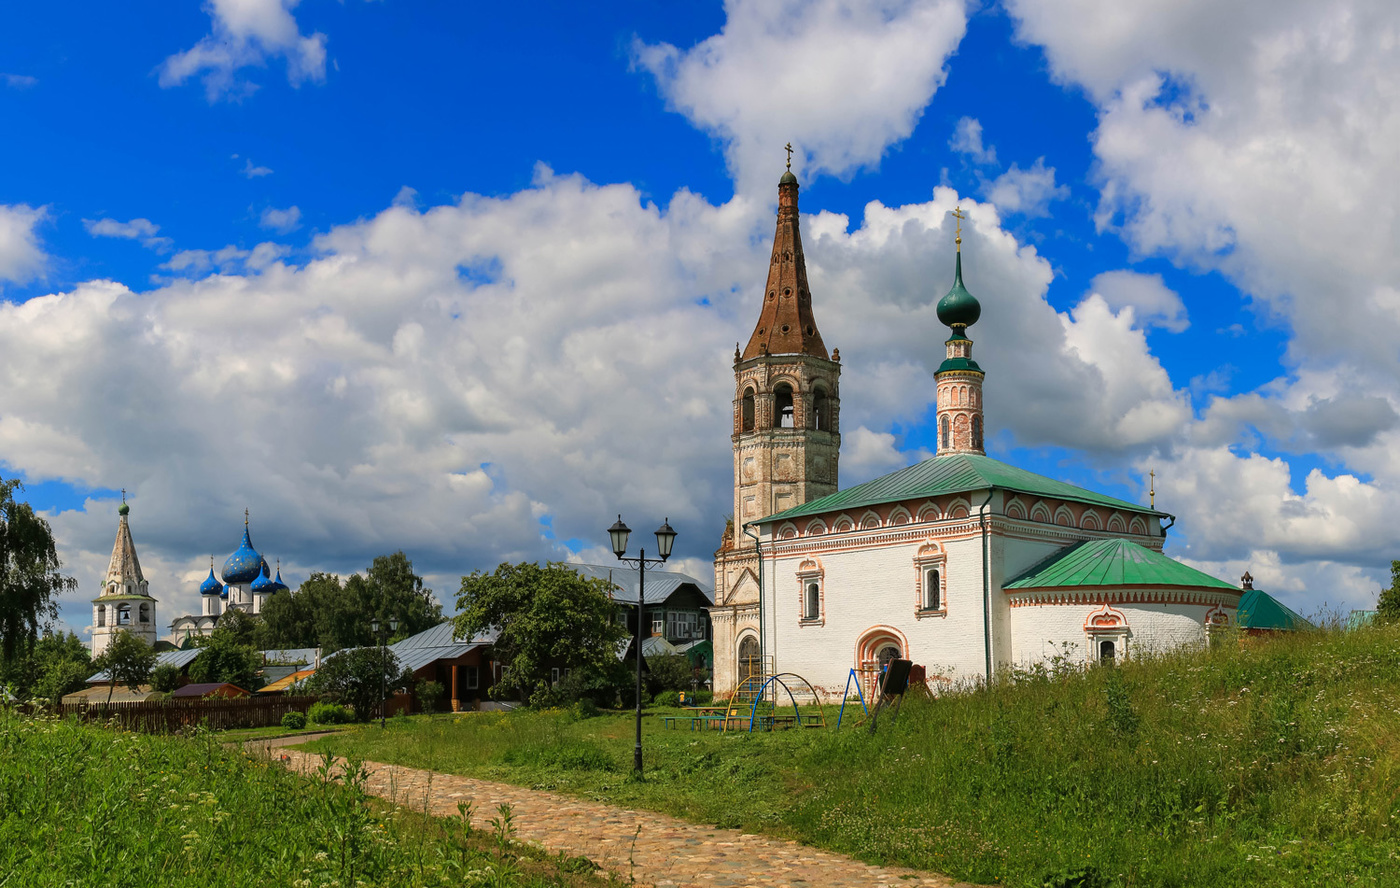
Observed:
{"x":964,"y":564}
{"x":249,"y":583}
{"x":125,"y":603}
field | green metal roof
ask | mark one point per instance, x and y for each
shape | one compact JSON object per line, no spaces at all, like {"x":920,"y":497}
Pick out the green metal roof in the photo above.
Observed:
{"x":1112,"y":563}
{"x":1260,"y":610}
{"x":954,"y":473}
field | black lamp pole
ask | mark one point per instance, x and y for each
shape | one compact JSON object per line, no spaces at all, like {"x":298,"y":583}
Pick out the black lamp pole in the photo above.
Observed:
{"x":665,"y":538}
{"x":379,"y":630}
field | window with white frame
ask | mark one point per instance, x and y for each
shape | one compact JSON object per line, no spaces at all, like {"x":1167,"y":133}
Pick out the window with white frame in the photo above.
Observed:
{"x":683,"y":624}
{"x":933,"y":589}
{"x":930,"y":579}
{"x":811,"y":600}
{"x":470,"y":677}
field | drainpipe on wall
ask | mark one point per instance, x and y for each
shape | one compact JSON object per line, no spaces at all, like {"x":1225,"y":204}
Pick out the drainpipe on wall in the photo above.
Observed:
{"x":762,"y":641}
{"x":986,"y":585}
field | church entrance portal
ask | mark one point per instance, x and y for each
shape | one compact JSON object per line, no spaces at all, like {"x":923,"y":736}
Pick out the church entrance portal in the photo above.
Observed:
{"x":750,"y":665}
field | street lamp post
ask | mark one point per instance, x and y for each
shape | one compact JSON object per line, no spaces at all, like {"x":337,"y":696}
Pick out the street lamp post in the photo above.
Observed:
{"x":665,"y":537}
{"x":383,"y":633}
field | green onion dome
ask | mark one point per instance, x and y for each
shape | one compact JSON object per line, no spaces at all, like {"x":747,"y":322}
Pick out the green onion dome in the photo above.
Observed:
{"x":959,"y":308}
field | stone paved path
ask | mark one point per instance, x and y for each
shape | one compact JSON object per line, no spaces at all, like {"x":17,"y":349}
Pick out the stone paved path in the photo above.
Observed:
{"x":666,"y":853}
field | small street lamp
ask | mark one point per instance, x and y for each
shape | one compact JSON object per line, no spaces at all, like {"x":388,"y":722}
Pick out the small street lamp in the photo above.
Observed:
{"x":383,"y":633}
{"x":665,"y":538}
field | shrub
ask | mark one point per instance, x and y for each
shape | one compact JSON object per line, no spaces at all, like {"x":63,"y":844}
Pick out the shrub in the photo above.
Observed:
{"x":357,"y":677}
{"x":165,"y":678}
{"x":294,"y":720}
{"x":429,"y":695}
{"x":668,"y":698}
{"x":330,"y":714}
{"x":670,"y":672}
{"x":585,"y":708}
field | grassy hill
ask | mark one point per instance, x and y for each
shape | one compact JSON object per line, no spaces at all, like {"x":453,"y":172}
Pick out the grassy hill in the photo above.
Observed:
{"x":1257,"y":762}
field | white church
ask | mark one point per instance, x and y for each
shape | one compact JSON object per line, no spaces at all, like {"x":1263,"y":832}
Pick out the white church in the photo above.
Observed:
{"x":962,"y":563}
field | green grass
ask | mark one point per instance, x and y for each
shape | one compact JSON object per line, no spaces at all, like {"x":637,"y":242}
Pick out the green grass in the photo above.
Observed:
{"x":87,"y":805}
{"x":1259,"y":762}
{"x":271,"y":732}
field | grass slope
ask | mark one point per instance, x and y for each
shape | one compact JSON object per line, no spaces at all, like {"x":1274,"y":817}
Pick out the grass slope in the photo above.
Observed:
{"x":1259,"y":762}
{"x":85,"y":805}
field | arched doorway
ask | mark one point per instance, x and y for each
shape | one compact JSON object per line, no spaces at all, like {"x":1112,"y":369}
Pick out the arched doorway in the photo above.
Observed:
{"x":876,"y":648}
{"x":750,"y":664}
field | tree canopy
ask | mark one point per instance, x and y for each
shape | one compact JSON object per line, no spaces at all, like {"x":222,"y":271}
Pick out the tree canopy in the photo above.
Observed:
{"x":127,"y":660}
{"x":1388,"y":607}
{"x":548,"y":617}
{"x":358,"y":677}
{"x":229,"y":653}
{"x":55,"y":665}
{"x":324,"y":612}
{"x":29,"y":577}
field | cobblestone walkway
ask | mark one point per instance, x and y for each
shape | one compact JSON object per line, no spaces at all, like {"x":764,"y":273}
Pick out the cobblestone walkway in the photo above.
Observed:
{"x":651,"y":848}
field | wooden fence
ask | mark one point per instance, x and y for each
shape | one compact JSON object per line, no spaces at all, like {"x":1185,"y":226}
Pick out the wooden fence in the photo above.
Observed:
{"x":171,"y":715}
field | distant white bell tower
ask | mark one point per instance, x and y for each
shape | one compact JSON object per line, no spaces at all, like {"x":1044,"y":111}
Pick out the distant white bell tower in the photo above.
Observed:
{"x":124,"y":604}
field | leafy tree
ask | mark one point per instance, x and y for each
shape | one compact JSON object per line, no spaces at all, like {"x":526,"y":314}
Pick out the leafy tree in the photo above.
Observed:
{"x":326,"y":613}
{"x":1388,"y":607}
{"x":548,"y":617}
{"x":29,"y":577}
{"x":127,"y":660}
{"x":358,"y":676}
{"x":165,"y":678}
{"x":670,"y":672}
{"x":228,"y":654}
{"x":56,"y":665}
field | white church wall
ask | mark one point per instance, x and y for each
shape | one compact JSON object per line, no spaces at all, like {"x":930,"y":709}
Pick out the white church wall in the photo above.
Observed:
{"x":1042,"y":631}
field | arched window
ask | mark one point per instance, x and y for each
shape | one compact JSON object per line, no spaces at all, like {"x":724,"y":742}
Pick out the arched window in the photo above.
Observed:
{"x":821,"y":411}
{"x":145,"y":613}
{"x":976,"y":433}
{"x":102,"y":615}
{"x":947,"y":433}
{"x":1106,"y":652}
{"x":747,"y":411}
{"x":812,"y":602}
{"x":782,"y":405}
{"x":123,"y":614}
{"x":933,"y":592}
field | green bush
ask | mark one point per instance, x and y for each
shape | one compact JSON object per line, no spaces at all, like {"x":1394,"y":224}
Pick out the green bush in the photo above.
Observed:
{"x":330,"y":714}
{"x":668,"y":698}
{"x":165,"y":678}
{"x":669,"y":672}
{"x":429,"y":695}
{"x":294,"y":720}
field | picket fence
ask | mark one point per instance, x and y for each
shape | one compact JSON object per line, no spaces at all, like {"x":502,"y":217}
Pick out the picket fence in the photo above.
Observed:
{"x":171,"y":715}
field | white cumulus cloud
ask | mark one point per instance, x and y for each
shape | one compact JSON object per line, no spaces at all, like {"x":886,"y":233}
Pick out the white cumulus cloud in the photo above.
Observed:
{"x":967,"y":139}
{"x":246,"y":33}
{"x":281,"y":221}
{"x":839,"y":79}
{"x":1025,"y":192}
{"x":143,"y":230}
{"x":22,"y":258}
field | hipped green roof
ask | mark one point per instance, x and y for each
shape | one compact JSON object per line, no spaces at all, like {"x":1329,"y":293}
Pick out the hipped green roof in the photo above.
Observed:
{"x":954,"y":473}
{"x":1112,"y":563}
{"x":1260,"y":610}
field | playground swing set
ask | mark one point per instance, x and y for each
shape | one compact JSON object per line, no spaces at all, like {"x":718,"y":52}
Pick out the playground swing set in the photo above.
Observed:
{"x":767,"y":712}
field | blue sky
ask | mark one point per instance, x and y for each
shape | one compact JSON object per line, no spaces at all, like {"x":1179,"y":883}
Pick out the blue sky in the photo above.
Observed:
{"x":462,"y":279}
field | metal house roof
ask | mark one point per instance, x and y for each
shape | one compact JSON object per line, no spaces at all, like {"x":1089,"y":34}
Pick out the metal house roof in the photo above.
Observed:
{"x":1112,"y":563}
{"x":955,"y":473}
{"x":660,"y":583}
{"x":178,"y":659}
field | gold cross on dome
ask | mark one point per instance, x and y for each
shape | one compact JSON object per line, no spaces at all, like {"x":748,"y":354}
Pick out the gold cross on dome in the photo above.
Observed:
{"x":1152,"y":488}
{"x":958,"y":214}
{"x":788,"y":149}
{"x":245,"y":517}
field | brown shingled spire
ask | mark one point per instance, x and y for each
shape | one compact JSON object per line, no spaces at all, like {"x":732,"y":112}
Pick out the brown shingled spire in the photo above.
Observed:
{"x":786,"y":325}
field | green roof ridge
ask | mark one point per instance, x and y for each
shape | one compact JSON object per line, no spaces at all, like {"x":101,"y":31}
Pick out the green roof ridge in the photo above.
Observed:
{"x":1260,"y":610}
{"x":1112,"y":562}
{"x":949,"y":474}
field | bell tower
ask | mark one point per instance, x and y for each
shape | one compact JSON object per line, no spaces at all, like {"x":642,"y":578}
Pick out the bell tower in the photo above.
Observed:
{"x":959,"y":378}
{"x":786,"y":439}
{"x":787,"y":402}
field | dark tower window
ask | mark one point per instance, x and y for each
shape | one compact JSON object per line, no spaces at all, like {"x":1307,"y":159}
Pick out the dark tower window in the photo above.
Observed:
{"x":947,"y":433}
{"x":813,"y":606}
{"x":748,"y":411}
{"x":932,"y":591}
{"x":976,"y":433}
{"x":782,"y":405}
{"x":821,"y":409}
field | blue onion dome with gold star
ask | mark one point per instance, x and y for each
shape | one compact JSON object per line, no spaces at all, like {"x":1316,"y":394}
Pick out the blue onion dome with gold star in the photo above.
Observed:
{"x":244,"y":565}
{"x":211,"y":586}
{"x":264,"y":581}
{"x":278,"y":585}
{"x":959,"y":309}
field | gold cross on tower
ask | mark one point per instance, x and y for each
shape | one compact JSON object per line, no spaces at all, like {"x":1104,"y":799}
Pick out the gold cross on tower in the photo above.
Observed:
{"x":1152,"y":488}
{"x":788,"y":149}
{"x":958,"y":214}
